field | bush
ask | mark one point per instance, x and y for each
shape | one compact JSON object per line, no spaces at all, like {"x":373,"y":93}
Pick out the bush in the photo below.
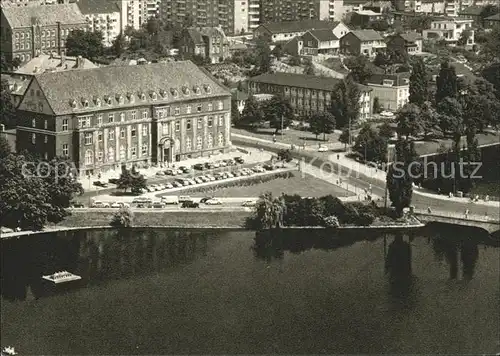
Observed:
{"x":331,"y":221}
{"x":123,"y":218}
{"x":365,"y":219}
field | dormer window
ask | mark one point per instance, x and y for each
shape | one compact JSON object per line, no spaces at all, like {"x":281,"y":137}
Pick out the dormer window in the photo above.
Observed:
{"x":174,"y":92}
{"x":130,"y":97}
{"x":85,"y":103}
{"x":163,"y":93}
{"x":197,"y":90}
{"x":73,"y":103}
{"x":107,"y":99}
{"x":142,"y":96}
{"x":208,"y":89}
{"x":154,"y":96}
{"x":185,"y":90}
{"x":388,"y":82}
{"x":97,"y":101}
{"x":120,"y":99}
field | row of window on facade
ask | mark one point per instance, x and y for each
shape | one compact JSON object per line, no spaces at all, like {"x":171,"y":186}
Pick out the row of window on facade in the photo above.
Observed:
{"x":43,"y":34}
{"x":43,"y":45}
{"x":89,"y":154}
{"x":154,"y":96}
{"x":24,"y":57}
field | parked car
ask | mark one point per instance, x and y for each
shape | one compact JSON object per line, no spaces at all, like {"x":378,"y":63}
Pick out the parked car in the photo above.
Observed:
{"x":269,"y":167}
{"x":115,"y":205}
{"x":198,"y":180}
{"x":258,"y":169}
{"x":191,"y":181}
{"x":222,"y":163}
{"x":170,"y":172}
{"x":219,"y":176}
{"x":78,"y":205}
{"x":190,"y":204}
{"x":99,"y":204}
{"x":386,"y":114}
{"x":168,"y":186}
{"x":204,"y":179}
{"x":210,"y":177}
{"x":113,"y":180}
{"x":209,"y":165}
{"x":229,"y":162}
{"x":158,"y":205}
{"x":239,"y":160}
{"x":229,"y":175}
{"x":322,"y":149}
{"x":177,"y":184}
{"x":214,"y":201}
{"x":142,"y":200}
{"x":184,"y":198}
{"x":185,"y":169}
{"x":180,"y":171}
{"x":249,"y":203}
{"x":124,"y":205}
{"x":204,"y":200}
{"x":216,"y":164}
{"x":170,"y":199}
{"x":98,"y":183}
{"x":160,"y":173}
{"x":150,"y":189}
{"x":237,"y":173}
{"x":199,"y":166}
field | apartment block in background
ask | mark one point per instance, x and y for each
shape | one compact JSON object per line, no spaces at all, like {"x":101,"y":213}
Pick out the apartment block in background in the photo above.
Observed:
{"x":102,"y":16}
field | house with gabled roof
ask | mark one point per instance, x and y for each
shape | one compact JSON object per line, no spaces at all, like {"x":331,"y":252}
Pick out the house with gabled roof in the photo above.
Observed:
{"x":320,"y":42}
{"x":392,"y":90}
{"x":208,"y":42}
{"x":286,"y":30}
{"x":28,"y":31}
{"x":409,"y":42}
{"x":492,"y":21}
{"x":362,"y":42}
{"x":105,"y":117}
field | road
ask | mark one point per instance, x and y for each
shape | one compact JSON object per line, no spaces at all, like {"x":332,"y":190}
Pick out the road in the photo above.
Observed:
{"x":320,"y":159}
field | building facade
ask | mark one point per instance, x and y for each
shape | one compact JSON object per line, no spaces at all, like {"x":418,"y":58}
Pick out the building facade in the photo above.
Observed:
{"x":26,"y":32}
{"x":362,"y":42}
{"x":450,"y":30}
{"x":102,"y":16}
{"x":286,"y":30}
{"x":409,"y":42}
{"x":209,"y":42}
{"x":320,"y":42}
{"x":307,"y":93}
{"x":392,"y":91}
{"x":105,"y":117}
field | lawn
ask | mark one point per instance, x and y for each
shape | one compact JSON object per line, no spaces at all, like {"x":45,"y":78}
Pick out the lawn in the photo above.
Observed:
{"x":307,"y":186}
{"x":290,"y":136}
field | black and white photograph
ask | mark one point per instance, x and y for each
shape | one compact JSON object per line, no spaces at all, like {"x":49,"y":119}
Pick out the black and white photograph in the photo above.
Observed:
{"x":250,"y":177}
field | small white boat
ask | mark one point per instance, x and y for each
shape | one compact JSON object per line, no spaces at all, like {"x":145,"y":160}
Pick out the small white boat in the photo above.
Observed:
{"x":62,"y":277}
{"x":8,"y":351}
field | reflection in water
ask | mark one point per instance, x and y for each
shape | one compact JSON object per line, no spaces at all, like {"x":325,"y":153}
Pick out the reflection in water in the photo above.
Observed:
{"x":459,"y":247}
{"x":398,"y":267}
{"x":94,"y":255}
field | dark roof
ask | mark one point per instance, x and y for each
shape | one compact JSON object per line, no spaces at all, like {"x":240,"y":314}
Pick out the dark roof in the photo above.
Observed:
{"x":324,"y":35}
{"x":298,"y":26}
{"x":24,"y":16}
{"x":97,"y":6}
{"x":62,"y":88}
{"x":398,"y":79}
{"x":495,"y":17}
{"x":367,"y":35}
{"x":410,"y":36}
{"x":472,"y":10}
{"x":239,"y":95}
{"x":195,"y":36}
{"x":300,"y":81}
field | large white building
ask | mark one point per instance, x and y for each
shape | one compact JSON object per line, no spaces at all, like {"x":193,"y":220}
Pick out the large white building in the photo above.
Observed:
{"x":450,"y":30}
{"x":102,"y":16}
{"x":392,"y":91}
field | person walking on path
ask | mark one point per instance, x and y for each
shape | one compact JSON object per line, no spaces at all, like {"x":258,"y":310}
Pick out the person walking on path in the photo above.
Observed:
{"x":466,"y":213}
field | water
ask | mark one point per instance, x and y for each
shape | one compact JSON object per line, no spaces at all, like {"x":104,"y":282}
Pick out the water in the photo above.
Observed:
{"x":199,"y":292}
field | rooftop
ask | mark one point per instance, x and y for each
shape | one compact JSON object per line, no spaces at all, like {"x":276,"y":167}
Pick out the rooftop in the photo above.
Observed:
{"x":298,"y":26}
{"x":17,"y":83}
{"x":300,"y":81}
{"x":97,"y":6}
{"x":472,"y":10}
{"x":86,"y":90}
{"x":367,"y":13}
{"x":494,"y":17}
{"x":324,"y":35}
{"x":49,"y":62}
{"x":25,"y":16}
{"x":399,"y":79}
{"x":367,"y":35}
{"x":408,"y":36}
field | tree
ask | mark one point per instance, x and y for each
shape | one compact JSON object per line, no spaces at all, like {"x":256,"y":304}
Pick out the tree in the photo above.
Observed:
{"x":152,"y":26}
{"x":359,"y":68}
{"x":487,"y":11}
{"x":4,"y":148}
{"x":278,"y":51}
{"x":446,"y":82}
{"x":285,"y":155}
{"x":345,"y":103}
{"x":385,"y":131}
{"x":119,"y":45}
{"x":33,"y":194}
{"x":381,"y":59}
{"x":399,"y":176}
{"x":429,"y":119}
{"x":123,"y":218}
{"x":263,"y":56}
{"x":131,"y":179}
{"x":235,"y":114}
{"x":309,"y":68}
{"x":270,"y":211}
{"x":371,"y":146}
{"x":379,"y":25}
{"x":7,"y":110}
{"x":344,"y":137}
{"x":376,"y":106}
{"x":322,"y":123}
{"x":464,"y":37}
{"x":295,"y":61}
{"x":492,"y":75}
{"x":451,"y":120}
{"x":85,"y":43}
{"x":408,"y":119}
{"x":16,"y":62}
{"x":252,"y":112}
{"x":419,"y":83}
{"x":278,"y":112}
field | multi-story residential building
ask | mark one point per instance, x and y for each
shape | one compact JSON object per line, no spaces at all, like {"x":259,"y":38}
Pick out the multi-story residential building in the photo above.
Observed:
{"x":392,"y":91}
{"x":320,"y":42}
{"x":471,"y":13}
{"x":366,"y":42}
{"x":207,"y":42}
{"x":409,"y":42}
{"x":286,"y":30}
{"x":451,"y":8}
{"x":307,"y":93}
{"x":363,"y":18}
{"x":135,"y":13}
{"x":28,"y":31}
{"x":102,"y":16}
{"x":450,"y":30}
{"x":104,"y":117}
{"x":253,"y":14}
